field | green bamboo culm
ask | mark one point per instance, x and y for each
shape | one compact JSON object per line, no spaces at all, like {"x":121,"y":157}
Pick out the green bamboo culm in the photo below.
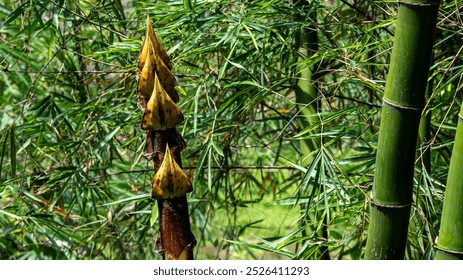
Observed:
{"x":307,"y":100}
{"x":403,"y":102}
{"x":450,"y":240}
{"x":306,"y":90}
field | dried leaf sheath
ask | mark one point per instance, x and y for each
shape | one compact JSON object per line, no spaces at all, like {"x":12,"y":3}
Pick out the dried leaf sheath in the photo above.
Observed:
{"x":157,"y":97}
{"x":158,"y":49}
{"x":161,"y":112}
{"x":170,"y":181}
{"x":145,"y":84}
{"x":153,"y":64}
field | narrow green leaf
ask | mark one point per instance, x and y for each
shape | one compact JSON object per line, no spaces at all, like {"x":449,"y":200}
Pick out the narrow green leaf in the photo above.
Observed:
{"x":24,"y":145}
{"x":10,"y":214}
{"x":154,"y":214}
{"x":5,"y":141}
{"x":107,"y":138}
{"x":129,"y":199}
{"x":252,"y":36}
{"x":200,"y":163}
{"x":187,"y":5}
{"x":180,"y":90}
{"x":225,"y":65}
{"x":139,"y":154}
{"x":209,"y":169}
{"x":196,"y":108}
{"x":13,"y":151}
{"x":17,"y":12}
{"x":217,"y":149}
{"x":59,"y":194}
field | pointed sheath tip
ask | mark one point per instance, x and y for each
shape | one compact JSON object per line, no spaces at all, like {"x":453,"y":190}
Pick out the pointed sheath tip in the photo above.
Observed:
{"x":149,"y":25}
{"x":170,"y":181}
{"x":145,"y":82}
{"x":161,"y":111}
{"x":158,"y":49}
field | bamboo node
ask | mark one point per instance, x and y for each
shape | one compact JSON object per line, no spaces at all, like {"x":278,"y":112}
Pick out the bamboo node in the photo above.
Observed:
{"x":390,"y":206}
{"x":460,"y":116}
{"x":449,"y":251}
{"x":400,"y":106}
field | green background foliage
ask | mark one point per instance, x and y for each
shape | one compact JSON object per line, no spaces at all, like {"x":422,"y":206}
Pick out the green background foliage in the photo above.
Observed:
{"x":74,"y":184}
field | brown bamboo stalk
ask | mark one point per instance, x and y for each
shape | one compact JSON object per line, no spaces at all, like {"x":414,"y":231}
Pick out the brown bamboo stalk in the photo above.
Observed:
{"x":157,"y":98}
{"x":175,"y":239}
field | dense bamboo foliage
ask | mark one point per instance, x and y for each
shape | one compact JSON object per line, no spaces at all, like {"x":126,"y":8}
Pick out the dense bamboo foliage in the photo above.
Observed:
{"x":73,"y":180}
{"x":450,"y":242}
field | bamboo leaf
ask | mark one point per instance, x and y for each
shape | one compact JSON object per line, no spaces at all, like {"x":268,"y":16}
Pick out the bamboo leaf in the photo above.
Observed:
{"x":217,"y":148}
{"x":13,"y":150}
{"x":154,"y":214}
{"x":4,"y":149}
{"x":107,"y":138}
{"x":252,"y":37}
{"x":200,"y":163}
{"x":9,"y":214}
{"x":17,"y":12}
{"x":187,"y":5}
{"x":126,"y":200}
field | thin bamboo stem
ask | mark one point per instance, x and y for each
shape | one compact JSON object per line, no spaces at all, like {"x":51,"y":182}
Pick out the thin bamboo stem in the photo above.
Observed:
{"x":306,"y":90}
{"x":307,"y":100}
